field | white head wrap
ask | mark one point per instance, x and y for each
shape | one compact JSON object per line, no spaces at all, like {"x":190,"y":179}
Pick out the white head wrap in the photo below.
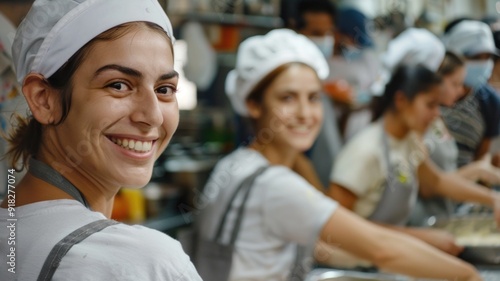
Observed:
{"x":469,"y":38}
{"x":54,"y":30}
{"x":411,"y":47}
{"x":259,"y":55}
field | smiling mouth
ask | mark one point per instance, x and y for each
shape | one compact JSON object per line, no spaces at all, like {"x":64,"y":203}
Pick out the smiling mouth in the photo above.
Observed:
{"x":133,"y":145}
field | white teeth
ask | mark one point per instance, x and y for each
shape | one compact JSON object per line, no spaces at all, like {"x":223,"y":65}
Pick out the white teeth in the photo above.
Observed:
{"x":138,"y":145}
{"x":134,"y":145}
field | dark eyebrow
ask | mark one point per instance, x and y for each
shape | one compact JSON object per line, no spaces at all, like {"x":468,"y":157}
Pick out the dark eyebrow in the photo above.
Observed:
{"x":169,"y":75}
{"x":122,"y":69}
{"x":132,"y":72}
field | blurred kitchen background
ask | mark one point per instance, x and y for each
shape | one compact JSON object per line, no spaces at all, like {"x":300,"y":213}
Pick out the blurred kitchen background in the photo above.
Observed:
{"x":208,"y":33}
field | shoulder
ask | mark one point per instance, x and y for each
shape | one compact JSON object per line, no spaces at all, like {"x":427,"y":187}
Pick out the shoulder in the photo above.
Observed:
{"x":132,"y":252}
{"x":487,"y":96}
{"x":366,"y":143}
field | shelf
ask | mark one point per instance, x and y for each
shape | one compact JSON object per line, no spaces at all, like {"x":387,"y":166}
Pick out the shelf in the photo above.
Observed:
{"x":267,"y":22}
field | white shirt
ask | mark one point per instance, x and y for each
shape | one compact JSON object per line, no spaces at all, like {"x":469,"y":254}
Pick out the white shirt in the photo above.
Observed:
{"x":360,"y":166}
{"x":283,"y":210}
{"x":118,"y":252}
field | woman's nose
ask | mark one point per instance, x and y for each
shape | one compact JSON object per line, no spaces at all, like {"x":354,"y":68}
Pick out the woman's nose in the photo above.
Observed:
{"x":147,"y":109}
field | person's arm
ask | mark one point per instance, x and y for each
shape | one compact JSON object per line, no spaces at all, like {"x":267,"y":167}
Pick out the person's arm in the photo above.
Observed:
{"x":481,"y":170}
{"x":440,"y":239}
{"x":304,"y":167}
{"x":344,"y":196}
{"x":435,"y":182}
{"x":437,"y":238}
{"x":392,"y":251}
{"x":483,"y":148}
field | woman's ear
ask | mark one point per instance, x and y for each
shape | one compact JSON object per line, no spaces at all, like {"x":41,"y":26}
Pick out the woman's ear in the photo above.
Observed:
{"x":400,"y":100}
{"x":254,"y":109}
{"x":41,"y":98}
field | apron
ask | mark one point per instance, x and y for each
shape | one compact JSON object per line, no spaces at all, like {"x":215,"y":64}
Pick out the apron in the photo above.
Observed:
{"x":44,"y":172}
{"x":400,"y":193}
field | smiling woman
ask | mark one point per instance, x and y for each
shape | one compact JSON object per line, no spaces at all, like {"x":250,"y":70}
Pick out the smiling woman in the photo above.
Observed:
{"x":262,"y":216}
{"x":102,"y":92}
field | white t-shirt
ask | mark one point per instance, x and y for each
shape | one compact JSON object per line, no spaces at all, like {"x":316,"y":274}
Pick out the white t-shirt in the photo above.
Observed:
{"x":360,"y":166}
{"x":118,"y":252}
{"x":283,"y":210}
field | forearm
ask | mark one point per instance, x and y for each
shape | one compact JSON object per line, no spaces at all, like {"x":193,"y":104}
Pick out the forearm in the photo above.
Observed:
{"x":462,"y":190}
{"x":406,"y":252}
{"x":390,"y":250}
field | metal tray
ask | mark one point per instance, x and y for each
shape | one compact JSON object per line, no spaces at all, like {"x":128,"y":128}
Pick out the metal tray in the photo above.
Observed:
{"x":344,"y":275}
{"x":475,"y":254}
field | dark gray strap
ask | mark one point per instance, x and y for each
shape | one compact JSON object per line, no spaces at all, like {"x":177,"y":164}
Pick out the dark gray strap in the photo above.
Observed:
{"x":51,"y":176}
{"x":245,"y":185}
{"x":61,"y":249}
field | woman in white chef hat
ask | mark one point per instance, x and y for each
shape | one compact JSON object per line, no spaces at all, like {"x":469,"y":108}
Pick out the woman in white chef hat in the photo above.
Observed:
{"x":277,"y":83}
{"x":99,"y":80}
{"x":391,"y":155}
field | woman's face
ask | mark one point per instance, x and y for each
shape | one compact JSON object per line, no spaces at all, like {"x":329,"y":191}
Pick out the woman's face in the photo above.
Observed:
{"x":124,"y":110}
{"x":453,"y":87}
{"x":419,"y":113}
{"x":291,"y":113}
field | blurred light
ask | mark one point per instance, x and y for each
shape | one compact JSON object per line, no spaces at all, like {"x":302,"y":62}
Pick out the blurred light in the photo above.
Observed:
{"x":186,"y":95}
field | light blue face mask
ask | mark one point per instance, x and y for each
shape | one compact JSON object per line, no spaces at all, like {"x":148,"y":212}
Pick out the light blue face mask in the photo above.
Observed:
{"x":324,"y":43}
{"x":478,"y":72}
{"x":351,"y":53}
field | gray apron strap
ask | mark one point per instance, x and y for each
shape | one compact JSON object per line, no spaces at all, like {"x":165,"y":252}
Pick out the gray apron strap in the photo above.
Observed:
{"x":245,"y":185}
{"x":45,"y":173}
{"x":400,"y":191}
{"x":60,"y":249}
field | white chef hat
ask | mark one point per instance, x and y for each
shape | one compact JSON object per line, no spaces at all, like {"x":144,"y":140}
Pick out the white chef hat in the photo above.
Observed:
{"x":259,"y":55}
{"x":413,"y":46}
{"x":54,"y":30}
{"x":469,"y":38}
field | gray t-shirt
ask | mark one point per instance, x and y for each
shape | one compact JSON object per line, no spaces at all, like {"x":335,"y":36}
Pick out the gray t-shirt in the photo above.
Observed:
{"x":119,"y":252}
{"x":283,"y":210}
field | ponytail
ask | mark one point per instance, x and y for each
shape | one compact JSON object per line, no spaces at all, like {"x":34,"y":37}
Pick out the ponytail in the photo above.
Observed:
{"x":411,"y":80}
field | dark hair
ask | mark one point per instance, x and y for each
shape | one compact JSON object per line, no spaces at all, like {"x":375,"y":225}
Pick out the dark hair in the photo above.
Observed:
{"x":451,"y":62}
{"x":25,"y":137}
{"x":454,"y":22}
{"x":313,"y":6}
{"x":411,"y":80}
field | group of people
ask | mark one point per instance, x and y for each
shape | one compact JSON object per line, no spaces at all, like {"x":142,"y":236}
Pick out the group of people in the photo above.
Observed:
{"x":99,"y":81}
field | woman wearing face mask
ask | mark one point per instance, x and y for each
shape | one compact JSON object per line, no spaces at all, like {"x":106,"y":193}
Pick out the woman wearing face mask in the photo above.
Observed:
{"x":276,"y":84}
{"x":443,"y":149}
{"x":354,"y":69}
{"x":473,"y":120}
{"x":99,"y":79}
{"x":394,"y":163}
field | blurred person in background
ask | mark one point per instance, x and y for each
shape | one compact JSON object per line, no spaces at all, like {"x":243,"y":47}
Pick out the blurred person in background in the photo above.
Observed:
{"x":391,"y":156}
{"x":354,"y":68}
{"x":315,"y":19}
{"x":277,"y":84}
{"x":12,"y":101}
{"x":494,"y":23}
{"x":443,"y":149}
{"x":474,"y":119}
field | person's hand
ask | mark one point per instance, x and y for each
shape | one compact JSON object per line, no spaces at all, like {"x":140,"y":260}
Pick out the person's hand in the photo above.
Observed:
{"x":487,"y":172}
{"x":442,"y":240}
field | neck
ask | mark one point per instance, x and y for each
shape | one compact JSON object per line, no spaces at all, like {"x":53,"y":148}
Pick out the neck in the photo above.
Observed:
{"x":276,"y":155}
{"x":394,"y":126}
{"x":15,"y":12}
{"x":100,"y":196}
